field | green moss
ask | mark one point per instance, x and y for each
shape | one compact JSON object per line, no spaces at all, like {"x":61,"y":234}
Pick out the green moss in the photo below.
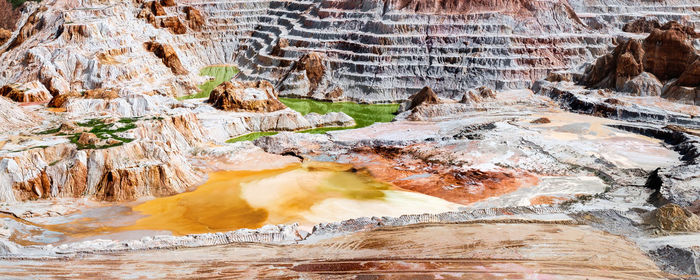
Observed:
{"x":50,"y":131}
{"x":128,"y":120}
{"x":74,"y":139}
{"x":251,"y":136}
{"x":91,"y":123}
{"x":220,"y":73}
{"x":17,"y":3}
{"x":364,"y":114}
{"x":105,"y":131}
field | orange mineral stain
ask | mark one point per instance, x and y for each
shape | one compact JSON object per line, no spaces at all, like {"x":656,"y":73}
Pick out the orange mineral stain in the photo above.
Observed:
{"x":214,"y":206}
{"x":305,"y":193}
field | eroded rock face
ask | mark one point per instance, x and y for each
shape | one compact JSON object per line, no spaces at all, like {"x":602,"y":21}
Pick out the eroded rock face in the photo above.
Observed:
{"x":101,"y":93}
{"x":127,"y":184}
{"x":646,"y":84}
{"x":149,"y":10}
{"x":686,"y":28}
{"x":60,"y":100}
{"x":245,"y":97}
{"x":153,"y":165}
{"x":482,"y":94}
{"x":651,"y":67}
{"x":613,"y":70}
{"x":87,"y":138}
{"x":112,"y":175}
{"x":541,"y":121}
{"x":278,"y":48}
{"x":156,"y":8}
{"x":668,"y":51}
{"x":29,"y":92}
{"x":4,"y":35}
{"x":312,"y":64}
{"x":79,"y":46}
{"x":424,"y":96}
{"x":194,"y":18}
{"x":308,"y":77}
{"x":154,"y":13}
{"x":179,"y":132}
{"x":173,"y":24}
{"x":688,"y":95}
{"x":167,"y":54}
{"x":32,"y":25}
{"x":433,"y":108}
{"x":674,"y":218}
{"x":642,"y":25}
{"x":691,"y":76}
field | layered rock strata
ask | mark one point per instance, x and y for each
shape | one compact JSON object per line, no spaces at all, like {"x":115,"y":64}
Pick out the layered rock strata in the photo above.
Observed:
{"x":74,"y":47}
{"x":665,"y":63}
{"x":387,"y":50}
{"x":372,"y":51}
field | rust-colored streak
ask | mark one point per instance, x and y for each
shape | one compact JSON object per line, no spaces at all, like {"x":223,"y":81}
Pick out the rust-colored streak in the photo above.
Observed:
{"x":459,"y":186}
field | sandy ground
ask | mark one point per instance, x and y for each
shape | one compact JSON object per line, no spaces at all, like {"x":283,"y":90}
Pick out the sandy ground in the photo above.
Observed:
{"x":427,"y":251}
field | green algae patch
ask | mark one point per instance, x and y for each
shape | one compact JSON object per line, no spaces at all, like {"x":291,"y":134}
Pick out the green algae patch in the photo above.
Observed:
{"x":251,"y":136}
{"x":364,"y":114}
{"x":221,"y":73}
{"x":322,"y":130}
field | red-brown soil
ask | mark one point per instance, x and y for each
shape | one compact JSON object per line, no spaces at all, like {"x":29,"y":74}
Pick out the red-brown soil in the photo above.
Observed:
{"x":396,"y":165}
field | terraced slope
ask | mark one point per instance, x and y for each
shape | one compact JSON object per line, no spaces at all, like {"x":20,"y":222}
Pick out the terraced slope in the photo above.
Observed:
{"x":377,"y":51}
{"x":615,"y":14}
